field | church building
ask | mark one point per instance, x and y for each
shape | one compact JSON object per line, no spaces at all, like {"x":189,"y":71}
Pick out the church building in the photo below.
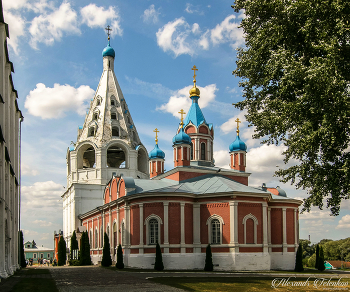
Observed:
{"x":115,"y":186}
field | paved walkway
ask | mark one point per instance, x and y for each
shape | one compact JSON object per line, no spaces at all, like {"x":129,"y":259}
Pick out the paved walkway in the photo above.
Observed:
{"x":93,"y":278}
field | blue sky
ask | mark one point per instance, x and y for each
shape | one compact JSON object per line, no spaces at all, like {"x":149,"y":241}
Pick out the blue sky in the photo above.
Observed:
{"x":56,"y":50}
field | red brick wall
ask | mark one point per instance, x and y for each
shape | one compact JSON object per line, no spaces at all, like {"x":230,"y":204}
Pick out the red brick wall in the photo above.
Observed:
{"x":188,"y":224}
{"x":203,"y":130}
{"x":250,"y":249}
{"x":290,"y":226}
{"x":276,"y":226}
{"x":121,"y":188}
{"x":114,"y":188}
{"x":190,"y":130}
{"x":121,"y":217}
{"x":134,"y":225}
{"x":183,"y":175}
{"x":243,"y":210}
{"x":174,"y":223}
{"x":240,"y":179}
{"x":106,"y":195}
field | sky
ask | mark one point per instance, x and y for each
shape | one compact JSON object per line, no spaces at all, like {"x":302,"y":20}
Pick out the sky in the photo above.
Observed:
{"x":56,"y":48}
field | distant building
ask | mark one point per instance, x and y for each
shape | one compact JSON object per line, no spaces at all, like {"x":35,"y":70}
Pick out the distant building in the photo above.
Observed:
{"x":10,"y":119}
{"x":337,"y":265}
{"x":139,"y":204}
{"x":31,"y":251}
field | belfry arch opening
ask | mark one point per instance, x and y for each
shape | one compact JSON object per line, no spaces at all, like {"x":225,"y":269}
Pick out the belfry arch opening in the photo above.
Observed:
{"x":86,"y":157}
{"x":142,"y":161}
{"x":116,"y":157}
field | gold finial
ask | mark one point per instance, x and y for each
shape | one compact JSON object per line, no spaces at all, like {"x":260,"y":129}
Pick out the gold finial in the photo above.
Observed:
{"x":108,"y":28}
{"x":182,"y":117}
{"x":194,"y":91}
{"x":237,"y":121}
{"x":156,"y":131}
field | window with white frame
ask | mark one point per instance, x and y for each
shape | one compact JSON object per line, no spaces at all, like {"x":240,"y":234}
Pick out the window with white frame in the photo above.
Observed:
{"x":250,"y":226}
{"x":153,"y":231}
{"x":90,"y":241}
{"x":34,"y":255}
{"x":96,"y":238}
{"x":123,"y":233}
{"x":215,"y":223}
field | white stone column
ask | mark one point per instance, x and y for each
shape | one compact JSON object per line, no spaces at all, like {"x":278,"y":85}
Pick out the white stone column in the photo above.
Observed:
{"x":127,"y":227}
{"x":264,"y":214}
{"x":182,"y":216}
{"x":284,"y":228}
{"x":196,"y":228}
{"x":166,"y":227}
{"x":141,"y":228}
{"x":110,"y":232}
{"x":234,"y":226}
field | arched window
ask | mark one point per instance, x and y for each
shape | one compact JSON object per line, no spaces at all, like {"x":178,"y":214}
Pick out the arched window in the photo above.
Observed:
{"x":115,"y":241}
{"x":98,"y":102}
{"x":101,"y":233}
{"x":96,"y":238}
{"x":202,"y":151}
{"x":191,"y":151}
{"x":107,"y":231}
{"x":215,"y":231}
{"x":95,"y":116}
{"x":86,"y":157}
{"x":153,"y":231}
{"x":250,"y":226}
{"x":215,"y":223}
{"x":91,"y":132}
{"x":112,"y":102}
{"x":115,"y":132}
{"x":113,"y":116}
{"x":115,"y":157}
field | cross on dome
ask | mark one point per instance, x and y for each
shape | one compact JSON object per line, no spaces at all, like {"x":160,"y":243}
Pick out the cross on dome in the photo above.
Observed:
{"x":194,"y":68}
{"x":156,"y":131}
{"x":182,"y":117}
{"x":237,"y":121}
{"x":108,"y":28}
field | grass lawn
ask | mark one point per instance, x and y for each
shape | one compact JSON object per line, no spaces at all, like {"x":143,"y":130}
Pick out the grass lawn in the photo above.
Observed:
{"x":237,"y":284}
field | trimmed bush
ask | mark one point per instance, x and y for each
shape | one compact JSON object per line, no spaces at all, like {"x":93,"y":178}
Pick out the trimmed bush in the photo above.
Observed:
{"x":106,"y":255}
{"x":61,"y":252}
{"x":208,"y":259}
{"x":317,"y":256}
{"x":299,"y":260}
{"x":120,"y":260}
{"x":321,"y":266}
{"x":158,"y":265}
{"x":21,"y":248}
{"x":85,"y":258}
{"x":73,"y":244}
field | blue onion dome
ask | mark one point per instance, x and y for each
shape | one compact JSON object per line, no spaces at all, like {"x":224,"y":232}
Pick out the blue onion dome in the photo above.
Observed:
{"x":108,"y":51}
{"x":181,"y":138}
{"x":156,"y":153}
{"x":238,"y":145}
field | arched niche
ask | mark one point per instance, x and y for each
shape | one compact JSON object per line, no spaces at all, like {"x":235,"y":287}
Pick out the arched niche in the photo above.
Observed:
{"x":142,"y":160}
{"x":116,"y":156}
{"x":86,"y":156}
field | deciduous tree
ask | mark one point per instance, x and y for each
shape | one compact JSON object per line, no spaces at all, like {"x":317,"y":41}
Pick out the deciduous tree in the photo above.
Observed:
{"x":296,"y":83}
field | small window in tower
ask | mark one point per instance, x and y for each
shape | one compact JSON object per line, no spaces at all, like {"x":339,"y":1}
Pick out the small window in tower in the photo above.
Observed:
{"x":203,"y":151}
{"x":115,"y":131}
{"x":95,"y":116}
{"x":112,"y":102}
{"x":91,"y":132}
{"x":113,"y":116}
{"x":98,"y":102}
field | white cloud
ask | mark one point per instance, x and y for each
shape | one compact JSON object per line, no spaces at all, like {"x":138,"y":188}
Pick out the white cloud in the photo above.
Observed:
{"x":172,"y":37}
{"x":150,"y":14}
{"x":16,"y":26}
{"x":222,"y":158}
{"x":94,"y":16}
{"x":37,"y":6}
{"x":344,"y":222}
{"x":42,"y":194}
{"x":227,"y":31}
{"x":52,"y":103}
{"x":48,"y":28}
{"x":193,"y":9}
{"x":27,"y":170}
{"x":231,"y":125}
{"x":14,"y":4}
{"x":180,"y":37}
{"x":42,"y":223}
{"x":180,"y":99}
{"x":316,"y":214}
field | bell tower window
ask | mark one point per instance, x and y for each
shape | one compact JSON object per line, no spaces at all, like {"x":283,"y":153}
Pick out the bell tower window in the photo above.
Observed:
{"x":112,"y":102}
{"x":115,"y":131}
{"x":95,"y":116}
{"x":113,"y":116}
{"x":91,"y":132}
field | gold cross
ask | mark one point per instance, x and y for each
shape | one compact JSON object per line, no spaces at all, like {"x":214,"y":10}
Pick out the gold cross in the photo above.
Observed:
{"x":182,"y":117}
{"x":237,"y":121}
{"x":194,"y":72}
{"x":108,"y":28}
{"x":156,"y":131}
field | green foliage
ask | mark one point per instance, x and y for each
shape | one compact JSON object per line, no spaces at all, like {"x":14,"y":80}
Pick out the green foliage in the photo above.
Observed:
{"x":308,"y":250}
{"x":158,"y":265}
{"x":61,"y":252}
{"x":208,"y":259}
{"x":120,"y":261}
{"x":312,"y":261}
{"x":85,"y":258}
{"x":299,"y":259}
{"x":295,"y":77}
{"x":106,"y":255}
{"x":73,"y":244}
{"x":317,"y":256}
{"x":321,"y":266}
{"x":74,"y":262}
{"x":21,"y":250}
